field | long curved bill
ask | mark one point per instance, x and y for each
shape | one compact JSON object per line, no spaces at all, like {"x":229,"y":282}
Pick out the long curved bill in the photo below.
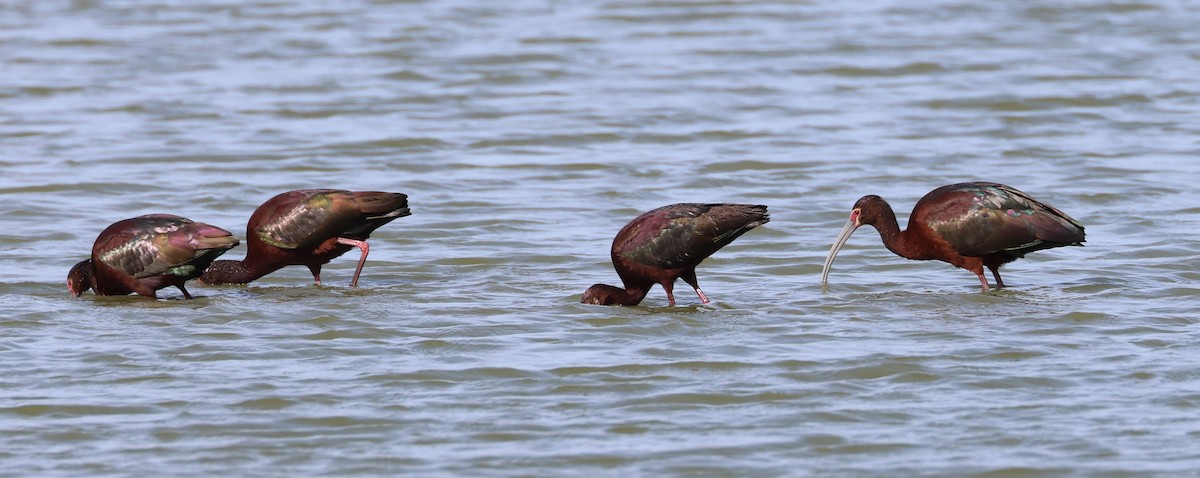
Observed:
{"x":843,"y":236}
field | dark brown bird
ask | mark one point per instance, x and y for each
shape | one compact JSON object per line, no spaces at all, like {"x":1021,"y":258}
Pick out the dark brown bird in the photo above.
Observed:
{"x":668,"y":243}
{"x":970,"y":225}
{"x":147,"y":253}
{"x":308,"y":227}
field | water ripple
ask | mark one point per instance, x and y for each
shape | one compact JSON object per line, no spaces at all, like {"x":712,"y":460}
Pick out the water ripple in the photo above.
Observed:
{"x":526,"y":134}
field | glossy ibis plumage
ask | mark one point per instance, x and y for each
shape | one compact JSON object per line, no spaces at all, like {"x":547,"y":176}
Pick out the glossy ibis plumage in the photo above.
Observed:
{"x":308,"y":227}
{"x":970,"y":225}
{"x":667,"y":243}
{"x":147,"y":253}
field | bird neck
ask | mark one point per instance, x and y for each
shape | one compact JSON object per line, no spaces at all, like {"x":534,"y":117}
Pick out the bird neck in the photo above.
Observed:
{"x":91,"y":280}
{"x":894,"y":239}
{"x":233,"y":272}
{"x":631,"y":296}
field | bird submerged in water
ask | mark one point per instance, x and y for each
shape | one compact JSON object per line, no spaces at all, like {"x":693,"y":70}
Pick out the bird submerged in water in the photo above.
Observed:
{"x":308,"y":227}
{"x":147,"y":253}
{"x":668,"y":243}
{"x":970,"y":225}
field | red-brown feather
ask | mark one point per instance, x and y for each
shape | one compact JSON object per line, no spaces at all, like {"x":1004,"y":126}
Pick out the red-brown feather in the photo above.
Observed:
{"x":302,"y":227}
{"x":147,"y":253}
{"x":668,"y":243}
{"x":970,"y":225}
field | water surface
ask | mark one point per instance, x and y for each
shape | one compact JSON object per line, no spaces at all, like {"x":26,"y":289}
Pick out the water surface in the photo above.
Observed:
{"x":526,"y":134}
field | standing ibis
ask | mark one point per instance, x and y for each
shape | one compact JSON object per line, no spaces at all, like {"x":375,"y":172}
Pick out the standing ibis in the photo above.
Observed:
{"x":970,"y":225}
{"x":668,"y":243}
{"x":308,"y":227}
{"x":147,"y":253}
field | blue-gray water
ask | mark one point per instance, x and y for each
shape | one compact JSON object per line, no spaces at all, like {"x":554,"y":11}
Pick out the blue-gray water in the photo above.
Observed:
{"x":526,"y":133}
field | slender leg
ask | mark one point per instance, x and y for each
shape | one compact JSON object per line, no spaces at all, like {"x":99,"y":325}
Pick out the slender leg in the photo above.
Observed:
{"x":690,"y":278}
{"x":186,"y":295}
{"x":316,"y":272}
{"x":982,"y":281}
{"x":667,"y":286}
{"x":996,"y":274}
{"x":361,"y":261}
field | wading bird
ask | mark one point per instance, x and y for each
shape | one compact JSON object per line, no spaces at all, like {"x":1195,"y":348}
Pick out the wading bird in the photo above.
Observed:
{"x":969,"y":225}
{"x":668,"y":243}
{"x":147,"y":253}
{"x":308,"y":227}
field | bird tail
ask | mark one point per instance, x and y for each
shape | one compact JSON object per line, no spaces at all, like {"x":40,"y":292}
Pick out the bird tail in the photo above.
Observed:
{"x":736,"y":219}
{"x":212,"y":237}
{"x":382,"y":205}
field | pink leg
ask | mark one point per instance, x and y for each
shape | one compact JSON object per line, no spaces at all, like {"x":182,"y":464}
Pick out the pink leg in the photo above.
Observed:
{"x":667,"y":286}
{"x":361,"y":261}
{"x":982,"y":281}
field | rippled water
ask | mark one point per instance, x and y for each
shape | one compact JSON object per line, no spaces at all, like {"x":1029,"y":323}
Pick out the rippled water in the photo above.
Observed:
{"x":526,"y":134}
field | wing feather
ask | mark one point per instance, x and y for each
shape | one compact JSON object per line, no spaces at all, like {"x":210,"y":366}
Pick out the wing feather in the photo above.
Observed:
{"x":979,"y":219}
{"x":682,"y":235}
{"x":158,"y":244}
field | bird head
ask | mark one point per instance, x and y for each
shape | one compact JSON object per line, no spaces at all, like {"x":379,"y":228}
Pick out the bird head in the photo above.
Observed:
{"x":601,"y":294}
{"x":79,"y":280}
{"x":867,"y":211}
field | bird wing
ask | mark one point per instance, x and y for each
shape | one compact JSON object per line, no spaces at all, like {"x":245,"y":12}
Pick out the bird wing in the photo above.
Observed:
{"x":132,"y":252}
{"x":987,"y":218}
{"x":682,"y":235}
{"x":150,"y":246}
{"x":671,"y":242}
{"x":372,"y":209}
{"x":305,"y":221}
